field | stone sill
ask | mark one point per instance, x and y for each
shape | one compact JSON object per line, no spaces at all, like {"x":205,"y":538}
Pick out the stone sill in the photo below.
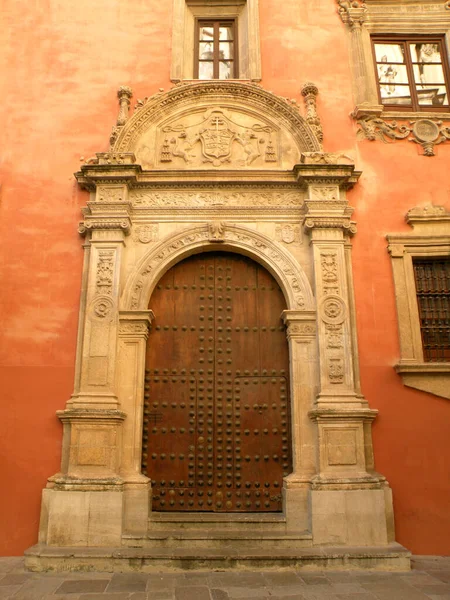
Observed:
{"x":433,"y":378}
{"x":378,"y":110}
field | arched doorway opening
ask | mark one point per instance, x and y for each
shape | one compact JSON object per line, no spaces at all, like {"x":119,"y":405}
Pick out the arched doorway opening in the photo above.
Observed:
{"x":216,"y":410}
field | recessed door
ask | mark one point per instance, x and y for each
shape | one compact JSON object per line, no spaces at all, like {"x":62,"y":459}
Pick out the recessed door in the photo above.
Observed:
{"x":216,"y":416}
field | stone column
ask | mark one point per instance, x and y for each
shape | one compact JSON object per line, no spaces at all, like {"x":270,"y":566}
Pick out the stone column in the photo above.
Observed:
{"x":83,"y":504}
{"x":133,"y":334}
{"x":350,"y":502}
{"x":301,"y":333}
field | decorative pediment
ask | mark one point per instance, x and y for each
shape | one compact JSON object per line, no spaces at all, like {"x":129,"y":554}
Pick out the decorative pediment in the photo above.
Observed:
{"x":214,"y":125}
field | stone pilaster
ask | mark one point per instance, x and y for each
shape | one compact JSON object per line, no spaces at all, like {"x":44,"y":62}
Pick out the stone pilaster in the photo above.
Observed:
{"x":350,"y":502}
{"x":302,"y":338}
{"x":133,"y":333}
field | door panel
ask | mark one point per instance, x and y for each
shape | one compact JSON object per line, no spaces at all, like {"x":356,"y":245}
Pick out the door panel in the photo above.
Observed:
{"x":216,"y":417}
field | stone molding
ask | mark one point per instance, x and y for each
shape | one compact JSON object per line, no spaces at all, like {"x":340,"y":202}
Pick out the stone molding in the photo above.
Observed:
{"x":430,"y":238}
{"x":278,"y":261}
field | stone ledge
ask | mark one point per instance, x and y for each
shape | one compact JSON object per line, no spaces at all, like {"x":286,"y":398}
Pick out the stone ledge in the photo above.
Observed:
{"x":433,"y":378}
{"x":44,"y":558}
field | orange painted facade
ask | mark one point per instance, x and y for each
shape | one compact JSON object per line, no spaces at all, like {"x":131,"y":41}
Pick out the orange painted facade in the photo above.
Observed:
{"x":61,"y":66}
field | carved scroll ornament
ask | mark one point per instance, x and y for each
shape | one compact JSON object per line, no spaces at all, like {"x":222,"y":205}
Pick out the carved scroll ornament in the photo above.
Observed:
{"x":425,"y":132}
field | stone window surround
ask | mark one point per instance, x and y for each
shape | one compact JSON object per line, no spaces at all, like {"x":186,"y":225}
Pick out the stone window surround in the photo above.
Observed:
{"x":246,"y":14}
{"x":430,"y":239}
{"x":375,"y":17}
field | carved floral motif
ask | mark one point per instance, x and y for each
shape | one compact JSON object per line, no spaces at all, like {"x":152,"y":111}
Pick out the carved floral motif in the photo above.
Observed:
{"x":216,"y":231}
{"x":211,"y":198}
{"x":102,"y":307}
{"x":426,"y":132}
{"x":133,"y":328}
{"x":108,"y":194}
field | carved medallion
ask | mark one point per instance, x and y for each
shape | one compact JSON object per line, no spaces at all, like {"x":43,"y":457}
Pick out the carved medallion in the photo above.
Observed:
{"x":333,"y":310}
{"x":147,"y":233}
{"x":102,"y":308}
{"x":288,"y":234}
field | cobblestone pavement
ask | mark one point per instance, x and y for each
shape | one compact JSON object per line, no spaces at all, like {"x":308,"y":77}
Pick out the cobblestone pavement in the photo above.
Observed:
{"x":429,"y":580}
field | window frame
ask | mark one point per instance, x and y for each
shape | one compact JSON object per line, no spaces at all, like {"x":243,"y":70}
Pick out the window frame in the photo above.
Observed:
{"x":406,"y":40}
{"x":216,"y":24}
{"x":429,"y":240}
{"x":246,"y":14}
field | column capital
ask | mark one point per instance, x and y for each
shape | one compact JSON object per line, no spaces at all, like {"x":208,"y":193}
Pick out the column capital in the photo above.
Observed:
{"x":135,"y":323}
{"x":300,"y":324}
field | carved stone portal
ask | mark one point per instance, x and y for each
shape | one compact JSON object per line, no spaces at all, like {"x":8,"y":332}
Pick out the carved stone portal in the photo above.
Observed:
{"x":281,"y":202}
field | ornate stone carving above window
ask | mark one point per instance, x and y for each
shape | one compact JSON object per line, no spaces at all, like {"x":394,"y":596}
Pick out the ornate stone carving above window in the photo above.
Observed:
{"x":244,"y":12}
{"x":429,"y":240}
{"x":387,"y":18}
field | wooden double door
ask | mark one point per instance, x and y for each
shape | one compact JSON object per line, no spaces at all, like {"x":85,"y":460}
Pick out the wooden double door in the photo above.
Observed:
{"x":216,"y":413}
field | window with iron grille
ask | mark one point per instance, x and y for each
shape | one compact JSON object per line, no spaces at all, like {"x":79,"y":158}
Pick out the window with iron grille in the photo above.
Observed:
{"x":432,"y":277}
{"x":412,"y":73}
{"x":216,"y":50}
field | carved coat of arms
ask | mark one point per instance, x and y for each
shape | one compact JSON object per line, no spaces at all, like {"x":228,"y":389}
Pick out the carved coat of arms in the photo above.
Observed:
{"x":216,"y":139}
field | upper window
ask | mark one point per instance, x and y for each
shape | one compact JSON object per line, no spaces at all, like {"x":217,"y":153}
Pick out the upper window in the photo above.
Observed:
{"x":216,"y":50}
{"x":412,"y":73}
{"x":432,"y":278}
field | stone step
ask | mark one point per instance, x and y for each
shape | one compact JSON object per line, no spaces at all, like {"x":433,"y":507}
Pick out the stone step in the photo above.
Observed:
{"x":252,"y":522}
{"x":215,"y":538}
{"x":42,"y":558}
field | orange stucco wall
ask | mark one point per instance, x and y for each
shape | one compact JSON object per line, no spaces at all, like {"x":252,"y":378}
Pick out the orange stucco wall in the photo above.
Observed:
{"x":61,"y":64}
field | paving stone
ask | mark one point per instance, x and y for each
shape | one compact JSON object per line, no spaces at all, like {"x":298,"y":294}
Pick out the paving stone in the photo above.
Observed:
{"x":161,"y":595}
{"x":356,"y":597}
{"x":8,"y":563}
{"x":284,"y":578}
{"x":437,"y":590}
{"x":83,"y":586}
{"x":128,"y":582}
{"x":38,"y":587}
{"x":15,"y":578}
{"x":107,"y":596}
{"x":192,"y":593}
{"x":310,"y":579}
{"x":432,"y":597}
{"x":418,"y":577}
{"x":8,"y":590}
{"x":164,"y":581}
{"x":441,"y":575}
{"x":245,"y":592}
{"x":286,"y":591}
{"x":219,"y":594}
{"x":347,"y":588}
{"x":195,"y":579}
{"x":232,"y":579}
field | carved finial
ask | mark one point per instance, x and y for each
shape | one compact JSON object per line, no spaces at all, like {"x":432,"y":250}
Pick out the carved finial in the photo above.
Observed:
{"x":124,"y":94}
{"x":310,"y":92}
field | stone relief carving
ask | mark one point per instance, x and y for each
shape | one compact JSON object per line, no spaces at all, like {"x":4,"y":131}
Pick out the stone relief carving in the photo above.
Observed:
{"x":333,"y":314}
{"x":426,"y":132}
{"x":102,"y":307}
{"x":289,"y":234}
{"x":133,"y":328}
{"x":107,"y":194}
{"x":216,"y":231}
{"x":216,"y":140}
{"x":105,"y":272}
{"x":146,"y":233}
{"x":216,"y":197}
{"x":296,"y":329}
{"x":336,"y":370}
{"x":324,"y":193}
{"x":429,"y":210}
{"x":151,"y":109}
{"x":326,"y":158}
{"x":229,"y":234}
